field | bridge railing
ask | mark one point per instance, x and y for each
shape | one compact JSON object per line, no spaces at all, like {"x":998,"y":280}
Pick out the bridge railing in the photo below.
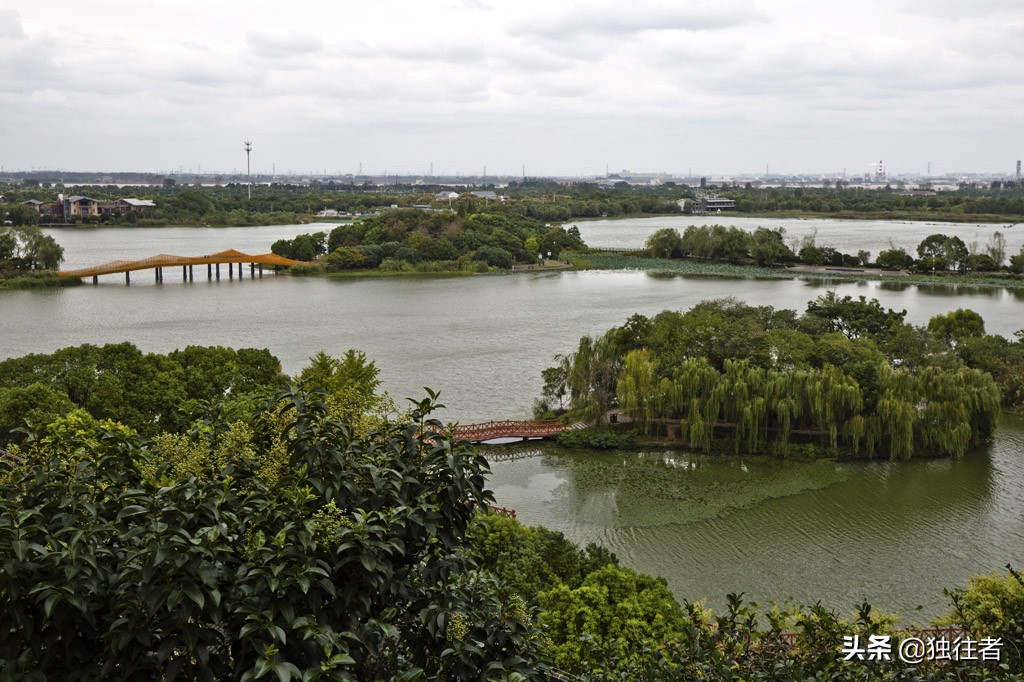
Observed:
{"x":509,"y":428}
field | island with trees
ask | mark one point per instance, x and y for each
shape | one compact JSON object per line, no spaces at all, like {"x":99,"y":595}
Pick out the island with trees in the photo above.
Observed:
{"x":408,"y":241}
{"x":29,"y":258}
{"x":718,"y":250}
{"x":847,"y":377}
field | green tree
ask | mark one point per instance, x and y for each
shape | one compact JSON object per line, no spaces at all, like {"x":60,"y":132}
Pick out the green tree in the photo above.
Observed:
{"x":955,"y":327}
{"x":992,"y":606}
{"x":894,"y":259}
{"x":610,"y":623}
{"x":767,"y":247}
{"x":20,"y":215}
{"x":28,"y":248}
{"x":665,"y":243}
{"x":855,"y":318}
{"x":940,"y":252}
{"x":1017,"y":262}
{"x":32,"y":407}
{"x":345,"y":258}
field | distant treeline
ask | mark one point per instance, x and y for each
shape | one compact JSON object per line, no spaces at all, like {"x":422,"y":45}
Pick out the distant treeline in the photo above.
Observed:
{"x":944,"y":205}
{"x":766,"y":247}
{"x":542,"y":199}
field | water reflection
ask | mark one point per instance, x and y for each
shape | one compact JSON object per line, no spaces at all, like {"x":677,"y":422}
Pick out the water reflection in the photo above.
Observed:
{"x":841,"y":531}
{"x":890,"y":285}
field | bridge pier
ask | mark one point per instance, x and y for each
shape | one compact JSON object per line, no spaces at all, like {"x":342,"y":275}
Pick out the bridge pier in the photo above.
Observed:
{"x":95,"y":279}
{"x":209,"y":272}
{"x":252,"y":270}
{"x":261,"y":269}
{"x":184,"y":273}
{"x":218,"y":272}
{"x":158,"y":275}
{"x":231,"y":271}
{"x":127,"y":277}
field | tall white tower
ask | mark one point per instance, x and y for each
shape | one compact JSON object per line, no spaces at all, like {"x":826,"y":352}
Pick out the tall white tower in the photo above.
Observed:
{"x":248,"y":177}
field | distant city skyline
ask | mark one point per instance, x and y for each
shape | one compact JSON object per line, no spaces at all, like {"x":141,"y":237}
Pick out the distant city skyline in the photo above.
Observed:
{"x":566,"y":88}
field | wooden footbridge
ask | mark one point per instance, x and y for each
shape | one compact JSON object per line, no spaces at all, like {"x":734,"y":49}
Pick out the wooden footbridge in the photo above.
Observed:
{"x":531,"y":428}
{"x":212,"y":262}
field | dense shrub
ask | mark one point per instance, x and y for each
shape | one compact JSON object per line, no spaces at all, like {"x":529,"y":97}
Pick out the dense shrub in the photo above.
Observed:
{"x":347,"y":564}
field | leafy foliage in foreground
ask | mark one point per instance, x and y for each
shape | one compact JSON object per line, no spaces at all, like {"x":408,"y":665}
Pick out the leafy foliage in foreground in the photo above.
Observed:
{"x":318,"y":539}
{"x":349,"y":566}
{"x":603,"y":622}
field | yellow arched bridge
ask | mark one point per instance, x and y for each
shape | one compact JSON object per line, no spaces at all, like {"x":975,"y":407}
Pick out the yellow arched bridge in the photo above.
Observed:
{"x":212,"y":262}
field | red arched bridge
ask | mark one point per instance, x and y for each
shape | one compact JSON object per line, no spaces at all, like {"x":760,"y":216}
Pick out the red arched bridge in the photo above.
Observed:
{"x":187,"y":263}
{"x":531,"y":428}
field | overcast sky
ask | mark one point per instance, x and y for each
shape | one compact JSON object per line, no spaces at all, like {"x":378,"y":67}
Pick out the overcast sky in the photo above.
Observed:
{"x":566,"y":88}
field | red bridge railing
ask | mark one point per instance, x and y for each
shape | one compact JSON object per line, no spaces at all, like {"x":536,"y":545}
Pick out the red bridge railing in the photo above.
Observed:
{"x":533,"y":428}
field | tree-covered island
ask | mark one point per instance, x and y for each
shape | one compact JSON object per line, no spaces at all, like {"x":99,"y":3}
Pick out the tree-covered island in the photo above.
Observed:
{"x":848,"y":376}
{"x":29,"y":258}
{"x":438,"y":241}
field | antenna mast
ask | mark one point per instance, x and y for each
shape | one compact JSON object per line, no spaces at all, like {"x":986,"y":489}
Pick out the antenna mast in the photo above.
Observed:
{"x":248,"y":176}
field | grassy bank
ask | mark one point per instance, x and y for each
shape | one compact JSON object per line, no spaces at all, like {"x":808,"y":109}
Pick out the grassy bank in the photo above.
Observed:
{"x":39,"y":279}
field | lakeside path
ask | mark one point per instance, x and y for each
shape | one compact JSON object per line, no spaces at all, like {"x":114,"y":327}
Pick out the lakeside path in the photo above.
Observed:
{"x":615,"y":261}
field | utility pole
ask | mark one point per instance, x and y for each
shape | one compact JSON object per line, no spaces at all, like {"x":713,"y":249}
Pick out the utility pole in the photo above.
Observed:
{"x":248,"y":171}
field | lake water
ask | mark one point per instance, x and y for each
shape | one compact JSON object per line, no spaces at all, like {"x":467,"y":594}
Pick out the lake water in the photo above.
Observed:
{"x":894,"y":534}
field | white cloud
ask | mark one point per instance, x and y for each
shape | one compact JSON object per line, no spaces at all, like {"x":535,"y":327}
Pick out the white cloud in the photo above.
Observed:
{"x":667,"y":83}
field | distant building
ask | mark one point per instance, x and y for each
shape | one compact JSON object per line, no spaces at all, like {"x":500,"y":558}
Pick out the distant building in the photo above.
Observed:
{"x":86,"y":207}
{"x":3,"y":199}
{"x":714,"y":203}
{"x":53,"y":208}
{"x":122,"y":206}
{"x":137,"y":204}
{"x":488,"y":195}
{"x":446,"y":195}
{"x":81,"y":207}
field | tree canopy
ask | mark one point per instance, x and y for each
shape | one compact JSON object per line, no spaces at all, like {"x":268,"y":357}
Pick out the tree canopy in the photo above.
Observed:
{"x":848,"y":375}
{"x":25,"y":247}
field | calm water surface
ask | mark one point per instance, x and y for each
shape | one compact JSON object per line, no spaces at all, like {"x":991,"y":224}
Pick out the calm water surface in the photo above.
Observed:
{"x":895,"y":534}
{"x":841,"y":532}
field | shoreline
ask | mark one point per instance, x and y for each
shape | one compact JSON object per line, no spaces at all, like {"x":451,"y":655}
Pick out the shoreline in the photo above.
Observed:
{"x":977,"y":218}
{"x":662,"y":266}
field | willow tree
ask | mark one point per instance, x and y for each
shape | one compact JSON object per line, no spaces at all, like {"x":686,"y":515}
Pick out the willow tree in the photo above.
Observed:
{"x":959,"y":410}
{"x":639,"y":391}
{"x":838,"y":389}
{"x":592,"y":374}
{"x":697,"y":392}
